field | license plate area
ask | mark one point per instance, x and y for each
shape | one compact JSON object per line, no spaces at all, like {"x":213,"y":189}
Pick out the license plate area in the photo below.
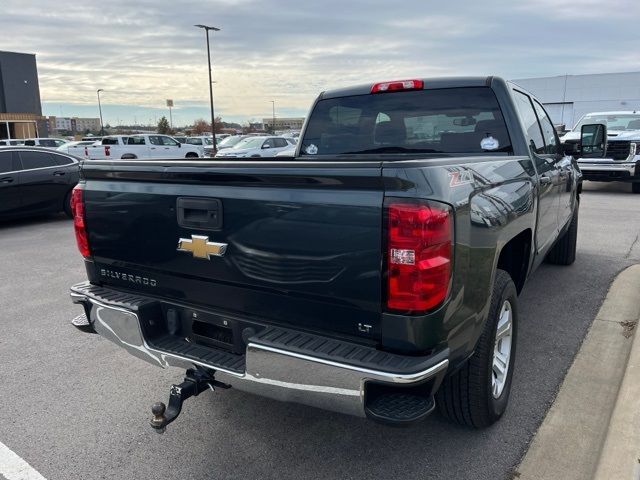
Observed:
{"x":206,"y":328}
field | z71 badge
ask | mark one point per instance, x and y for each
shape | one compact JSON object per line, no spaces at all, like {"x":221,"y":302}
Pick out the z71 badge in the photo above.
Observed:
{"x":460,"y":177}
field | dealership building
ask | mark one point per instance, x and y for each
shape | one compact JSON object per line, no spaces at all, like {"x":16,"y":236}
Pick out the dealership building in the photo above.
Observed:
{"x":282,"y":123}
{"x":568,"y":97}
{"x":20,"y":108}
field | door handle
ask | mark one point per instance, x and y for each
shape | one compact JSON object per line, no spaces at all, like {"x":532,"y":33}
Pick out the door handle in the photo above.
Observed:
{"x":6,"y":180}
{"x":545,"y":180}
{"x":203,"y":213}
{"x":59,"y":174}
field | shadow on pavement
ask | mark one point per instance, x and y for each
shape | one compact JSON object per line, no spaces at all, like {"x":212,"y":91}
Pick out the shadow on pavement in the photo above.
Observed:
{"x":623,"y":188}
{"x":35,"y":220}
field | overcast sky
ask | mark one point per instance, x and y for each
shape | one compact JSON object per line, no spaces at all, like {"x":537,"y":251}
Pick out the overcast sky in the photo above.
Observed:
{"x":143,"y":52}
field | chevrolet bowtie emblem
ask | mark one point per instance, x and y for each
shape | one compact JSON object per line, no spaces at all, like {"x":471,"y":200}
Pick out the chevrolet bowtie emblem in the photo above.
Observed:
{"x":201,"y":247}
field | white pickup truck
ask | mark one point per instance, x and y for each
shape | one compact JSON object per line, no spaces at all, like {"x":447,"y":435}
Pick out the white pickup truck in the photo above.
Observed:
{"x":135,"y":146}
{"x":622,"y":161}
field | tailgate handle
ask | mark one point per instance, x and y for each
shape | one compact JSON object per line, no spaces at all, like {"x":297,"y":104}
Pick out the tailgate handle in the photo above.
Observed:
{"x":202,"y":213}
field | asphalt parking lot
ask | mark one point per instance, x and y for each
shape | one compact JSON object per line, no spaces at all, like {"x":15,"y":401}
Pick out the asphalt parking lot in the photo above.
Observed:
{"x":75,"y":406}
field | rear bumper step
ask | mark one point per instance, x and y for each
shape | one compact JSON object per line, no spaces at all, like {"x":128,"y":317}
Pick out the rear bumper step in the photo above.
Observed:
{"x":279,"y":363}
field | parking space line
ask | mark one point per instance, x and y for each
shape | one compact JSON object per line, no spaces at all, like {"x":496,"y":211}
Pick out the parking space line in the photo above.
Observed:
{"x":12,"y":467}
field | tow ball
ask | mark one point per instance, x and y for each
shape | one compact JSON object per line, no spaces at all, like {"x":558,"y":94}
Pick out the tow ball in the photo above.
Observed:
{"x":195,"y":382}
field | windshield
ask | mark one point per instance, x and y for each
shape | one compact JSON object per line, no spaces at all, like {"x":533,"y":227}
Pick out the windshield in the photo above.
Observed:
{"x":452,"y":120}
{"x":622,"y":122}
{"x":252,"y":142}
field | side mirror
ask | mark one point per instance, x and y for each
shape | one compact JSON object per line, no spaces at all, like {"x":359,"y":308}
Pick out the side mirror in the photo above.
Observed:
{"x":266,"y":145}
{"x":569,"y":148}
{"x":179,"y":145}
{"x":593,"y":140}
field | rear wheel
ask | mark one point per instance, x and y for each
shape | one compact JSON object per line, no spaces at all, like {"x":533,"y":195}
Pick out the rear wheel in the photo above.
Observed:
{"x":635,"y":187}
{"x":564,"y":251}
{"x":478,"y":393}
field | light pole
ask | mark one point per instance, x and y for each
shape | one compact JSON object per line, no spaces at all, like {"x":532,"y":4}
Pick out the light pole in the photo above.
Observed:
{"x":273,"y":117}
{"x":213,"y":118}
{"x":100,"y":109}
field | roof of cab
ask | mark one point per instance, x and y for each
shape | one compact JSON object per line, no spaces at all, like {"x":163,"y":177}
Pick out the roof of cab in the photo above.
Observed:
{"x":429,"y":83}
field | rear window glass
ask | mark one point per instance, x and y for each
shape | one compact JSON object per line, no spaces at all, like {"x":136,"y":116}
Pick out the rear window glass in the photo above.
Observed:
{"x":454,"y":120}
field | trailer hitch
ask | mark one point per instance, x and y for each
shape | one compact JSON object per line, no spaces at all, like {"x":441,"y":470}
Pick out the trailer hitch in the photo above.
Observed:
{"x":195,"y":382}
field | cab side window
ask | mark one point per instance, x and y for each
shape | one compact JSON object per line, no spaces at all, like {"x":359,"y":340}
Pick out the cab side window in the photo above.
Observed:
{"x":169,"y":142}
{"x":280,"y":142}
{"x":155,"y":140}
{"x":530,"y":121}
{"x":268,"y":143}
{"x":7,"y":163}
{"x":61,"y":159}
{"x":550,"y":139}
{"x":32,"y":159}
{"x":135,"y":141}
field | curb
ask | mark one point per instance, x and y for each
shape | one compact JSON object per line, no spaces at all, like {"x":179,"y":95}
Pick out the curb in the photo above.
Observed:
{"x":620,"y":456}
{"x":592,"y":430}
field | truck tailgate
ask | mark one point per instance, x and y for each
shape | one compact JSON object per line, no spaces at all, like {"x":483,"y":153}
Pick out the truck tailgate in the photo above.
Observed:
{"x":303,"y":241}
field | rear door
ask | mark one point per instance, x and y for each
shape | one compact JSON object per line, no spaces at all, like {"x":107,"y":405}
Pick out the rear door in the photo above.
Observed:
{"x":9,"y":183}
{"x":44,"y":183}
{"x":548,"y":168}
{"x":303,"y":241}
{"x":563,"y":162}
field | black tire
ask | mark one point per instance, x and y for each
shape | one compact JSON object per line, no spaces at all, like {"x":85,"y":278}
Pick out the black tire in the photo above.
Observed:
{"x":466,"y":396}
{"x":564,"y":251}
{"x":66,"y":206}
{"x":635,"y":187}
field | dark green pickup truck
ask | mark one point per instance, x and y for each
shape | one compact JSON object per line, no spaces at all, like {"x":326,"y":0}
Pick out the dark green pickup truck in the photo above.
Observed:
{"x":376,"y":273}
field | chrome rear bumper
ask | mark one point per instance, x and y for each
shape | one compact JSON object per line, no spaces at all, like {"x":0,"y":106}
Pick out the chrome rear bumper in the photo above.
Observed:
{"x":268,"y":371}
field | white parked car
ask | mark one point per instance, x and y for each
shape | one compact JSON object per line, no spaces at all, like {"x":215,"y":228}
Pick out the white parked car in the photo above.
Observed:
{"x":44,"y":142}
{"x":255,"y":147}
{"x":136,"y":146}
{"x":287,"y":152}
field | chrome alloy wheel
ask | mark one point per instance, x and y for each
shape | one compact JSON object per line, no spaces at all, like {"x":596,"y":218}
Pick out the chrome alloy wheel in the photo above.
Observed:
{"x":502,"y":349}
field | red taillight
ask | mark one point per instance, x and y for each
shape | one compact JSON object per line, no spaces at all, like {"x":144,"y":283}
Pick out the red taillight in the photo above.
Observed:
{"x":419,"y":254}
{"x":77,"y":208}
{"x":107,"y":150}
{"x":397,"y":85}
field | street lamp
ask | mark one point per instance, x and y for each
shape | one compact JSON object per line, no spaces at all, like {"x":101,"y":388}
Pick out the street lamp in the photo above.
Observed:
{"x":100,"y":109}
{"x":273,"y":116}
{"x":213,"y":119}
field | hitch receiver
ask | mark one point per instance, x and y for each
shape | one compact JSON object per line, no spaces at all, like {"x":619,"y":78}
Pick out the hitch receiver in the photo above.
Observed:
{"x":195,"y":382}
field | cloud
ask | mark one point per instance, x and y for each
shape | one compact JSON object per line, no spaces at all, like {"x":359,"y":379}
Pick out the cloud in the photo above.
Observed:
{"x":144,"y":52}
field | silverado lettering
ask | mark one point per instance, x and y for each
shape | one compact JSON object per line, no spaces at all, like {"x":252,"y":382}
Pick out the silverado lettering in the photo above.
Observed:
{"x":128,"y":277}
